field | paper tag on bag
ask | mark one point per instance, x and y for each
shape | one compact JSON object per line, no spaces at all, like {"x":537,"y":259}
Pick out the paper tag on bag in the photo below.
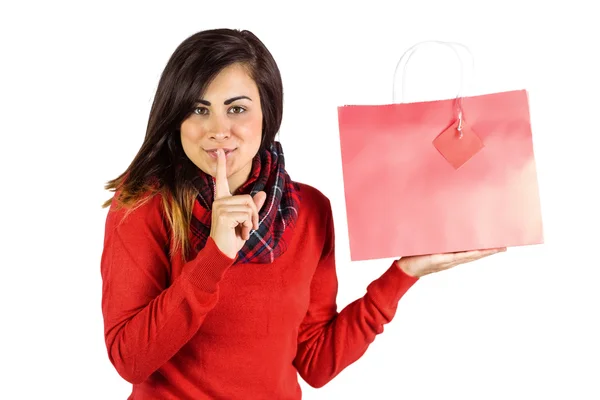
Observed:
{"x":458,"y":148}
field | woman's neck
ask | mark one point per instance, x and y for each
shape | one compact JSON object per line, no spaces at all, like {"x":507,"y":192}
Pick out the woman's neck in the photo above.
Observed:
{"x":239,"y":178}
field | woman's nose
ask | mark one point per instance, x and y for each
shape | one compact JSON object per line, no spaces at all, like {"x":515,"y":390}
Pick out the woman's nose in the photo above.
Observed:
{"x":219,"y":129}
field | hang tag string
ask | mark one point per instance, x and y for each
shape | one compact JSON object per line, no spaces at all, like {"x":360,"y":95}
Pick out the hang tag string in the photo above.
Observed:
{"x":405,"y":58}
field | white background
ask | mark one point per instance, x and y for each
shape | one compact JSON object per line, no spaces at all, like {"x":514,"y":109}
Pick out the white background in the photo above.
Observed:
{"x":77,"y":81}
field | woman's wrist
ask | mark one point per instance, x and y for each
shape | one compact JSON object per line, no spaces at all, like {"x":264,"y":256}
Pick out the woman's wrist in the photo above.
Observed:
{"x":405,"y":267}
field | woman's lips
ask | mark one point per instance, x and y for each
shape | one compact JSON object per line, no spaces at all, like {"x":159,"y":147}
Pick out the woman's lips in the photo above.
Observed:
{"x":213,"y":153}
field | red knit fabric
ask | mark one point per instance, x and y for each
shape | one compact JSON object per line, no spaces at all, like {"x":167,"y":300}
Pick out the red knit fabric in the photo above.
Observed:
{"x":209,"y":329}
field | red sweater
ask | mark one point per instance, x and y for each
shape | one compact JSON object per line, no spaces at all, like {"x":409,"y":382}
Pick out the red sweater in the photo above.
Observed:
{"x":208,"y":329}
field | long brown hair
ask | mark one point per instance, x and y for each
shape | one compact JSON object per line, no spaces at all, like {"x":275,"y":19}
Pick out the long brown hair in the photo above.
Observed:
{"x":160,"y":166}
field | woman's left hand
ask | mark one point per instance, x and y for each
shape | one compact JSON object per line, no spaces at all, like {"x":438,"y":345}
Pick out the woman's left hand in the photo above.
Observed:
{"x":419,"y":266}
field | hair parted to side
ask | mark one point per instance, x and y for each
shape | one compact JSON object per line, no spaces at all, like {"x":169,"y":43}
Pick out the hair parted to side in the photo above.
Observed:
{"x":161,"y":167}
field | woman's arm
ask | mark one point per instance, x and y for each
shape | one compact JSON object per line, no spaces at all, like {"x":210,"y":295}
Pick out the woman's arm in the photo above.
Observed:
{"x":329,"y":341}
{"x":146,"y":320}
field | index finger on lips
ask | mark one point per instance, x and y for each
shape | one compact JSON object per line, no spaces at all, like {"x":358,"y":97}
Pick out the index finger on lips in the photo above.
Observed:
{"x":221,"y":183}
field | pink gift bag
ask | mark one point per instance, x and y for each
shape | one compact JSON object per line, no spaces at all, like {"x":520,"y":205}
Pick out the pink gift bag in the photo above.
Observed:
{"x":439,"y":176}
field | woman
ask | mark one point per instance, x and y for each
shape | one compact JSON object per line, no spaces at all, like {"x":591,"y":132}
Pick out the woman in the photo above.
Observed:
{"x":218,"y":270}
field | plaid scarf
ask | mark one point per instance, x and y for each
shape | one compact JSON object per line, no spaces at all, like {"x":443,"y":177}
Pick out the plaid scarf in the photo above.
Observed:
{"x":278,"y":214}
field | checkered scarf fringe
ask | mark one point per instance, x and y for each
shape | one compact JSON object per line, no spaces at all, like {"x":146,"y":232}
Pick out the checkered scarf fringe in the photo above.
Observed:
{"x":278,"y":214}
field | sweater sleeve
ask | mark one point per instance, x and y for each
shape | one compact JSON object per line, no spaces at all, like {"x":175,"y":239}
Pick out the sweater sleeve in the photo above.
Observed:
{"x":329,"y":341}
{"x":147,"y":318}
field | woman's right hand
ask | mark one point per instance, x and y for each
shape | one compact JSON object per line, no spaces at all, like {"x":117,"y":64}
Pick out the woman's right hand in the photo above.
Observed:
{"x":232,"y":216}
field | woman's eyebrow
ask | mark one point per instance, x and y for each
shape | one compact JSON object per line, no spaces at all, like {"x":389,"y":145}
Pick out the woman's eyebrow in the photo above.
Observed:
{"x":231,"y":100}
{"x":226,"y":102}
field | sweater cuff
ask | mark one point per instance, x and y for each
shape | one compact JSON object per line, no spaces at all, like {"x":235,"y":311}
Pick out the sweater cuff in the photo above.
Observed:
{"x":208,"y":267}
{"x":389,"y":288}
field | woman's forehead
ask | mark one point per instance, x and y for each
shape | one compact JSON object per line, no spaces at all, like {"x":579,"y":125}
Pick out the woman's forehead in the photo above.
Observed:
{"x":232,"y":81}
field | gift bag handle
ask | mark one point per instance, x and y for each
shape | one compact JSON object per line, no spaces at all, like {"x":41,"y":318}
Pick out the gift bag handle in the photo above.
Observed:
{"x":452,"y":45}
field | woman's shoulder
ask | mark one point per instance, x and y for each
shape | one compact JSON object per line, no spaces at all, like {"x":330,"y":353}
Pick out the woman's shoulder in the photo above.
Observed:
{"x":146,"y":210}
{"x":312,"y":197}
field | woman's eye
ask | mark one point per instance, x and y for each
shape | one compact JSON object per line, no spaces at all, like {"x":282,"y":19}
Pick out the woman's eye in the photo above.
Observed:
{"x":201,"y":110}
{"x":237,"y":109}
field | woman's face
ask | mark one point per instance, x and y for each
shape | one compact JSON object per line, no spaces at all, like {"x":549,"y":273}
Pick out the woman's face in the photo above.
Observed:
{"x":227,"y":117}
